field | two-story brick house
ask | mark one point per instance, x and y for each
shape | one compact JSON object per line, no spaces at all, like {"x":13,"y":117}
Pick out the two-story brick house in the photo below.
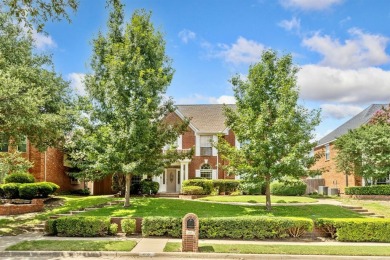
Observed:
{"x":333,"y":178}
{"x":206,"y":123}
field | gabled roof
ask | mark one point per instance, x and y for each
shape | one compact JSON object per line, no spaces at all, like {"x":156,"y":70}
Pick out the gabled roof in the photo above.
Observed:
{"x":205,"y":118}
{"x":356,"y":121}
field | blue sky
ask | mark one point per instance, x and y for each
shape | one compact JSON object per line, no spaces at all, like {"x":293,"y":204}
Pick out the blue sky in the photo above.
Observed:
{"x":342,"y":47}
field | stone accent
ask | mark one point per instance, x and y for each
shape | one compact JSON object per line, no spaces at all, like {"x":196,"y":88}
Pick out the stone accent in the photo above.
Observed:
{"x":15,"y":209}
{"x":190,"y":233}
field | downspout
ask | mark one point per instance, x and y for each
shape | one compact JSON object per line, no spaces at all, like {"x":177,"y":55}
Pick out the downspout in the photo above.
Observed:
{"x":45,"y":166}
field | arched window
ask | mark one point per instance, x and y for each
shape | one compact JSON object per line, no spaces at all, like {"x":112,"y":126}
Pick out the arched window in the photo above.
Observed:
{"x":206,"y":171}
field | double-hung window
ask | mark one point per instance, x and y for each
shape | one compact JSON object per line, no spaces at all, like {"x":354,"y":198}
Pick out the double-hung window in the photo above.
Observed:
{"x":327,"y":152}
{"x":206,"y":148}
{"x":206,"y":171}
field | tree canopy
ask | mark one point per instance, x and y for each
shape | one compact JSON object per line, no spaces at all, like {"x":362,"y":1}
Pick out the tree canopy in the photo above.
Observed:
{"x":35,"y":102}
{"x":130,"y":76}
{"x":365,"y":151}
{"x":38,"y":12}
{"x":275,"y":132}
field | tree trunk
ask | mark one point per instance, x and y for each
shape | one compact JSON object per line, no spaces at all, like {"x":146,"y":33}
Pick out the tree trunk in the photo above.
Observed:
{"x":268,"y":192}
{"x":127,"y":193}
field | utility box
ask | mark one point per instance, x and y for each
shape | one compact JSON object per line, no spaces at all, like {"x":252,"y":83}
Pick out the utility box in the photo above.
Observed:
{"x":333,"y":191}
{"x":190,"y":233}
{"x":323,"y":190}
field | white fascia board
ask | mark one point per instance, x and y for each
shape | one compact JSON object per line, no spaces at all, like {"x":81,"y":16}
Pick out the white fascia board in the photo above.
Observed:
{"x":325,"y":143}
{"x":183,"y":117}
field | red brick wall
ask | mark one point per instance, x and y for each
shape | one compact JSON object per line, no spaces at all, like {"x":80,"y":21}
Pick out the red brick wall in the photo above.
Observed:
{"x":334,"y":178}
{"x":16,"y":209}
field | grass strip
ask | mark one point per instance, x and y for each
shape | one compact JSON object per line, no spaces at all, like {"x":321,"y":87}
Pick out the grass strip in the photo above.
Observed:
{"x":286,"y":249}
{"x":260,"y":199}
{"x":73,"y":245}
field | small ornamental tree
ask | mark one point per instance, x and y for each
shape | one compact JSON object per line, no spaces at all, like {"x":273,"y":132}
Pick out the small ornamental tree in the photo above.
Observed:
{"x":126,"y":88}
{"x":275,"y":132}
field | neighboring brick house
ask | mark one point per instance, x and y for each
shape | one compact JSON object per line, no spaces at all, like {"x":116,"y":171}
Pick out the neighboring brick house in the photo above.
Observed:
{"x":206,"y":123}
{"x":332,"y":178}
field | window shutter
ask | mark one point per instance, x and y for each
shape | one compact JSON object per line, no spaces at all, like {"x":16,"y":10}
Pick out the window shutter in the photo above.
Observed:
{"x":214,"y":175}
{"x":215,"y":140}
{"x":197,"y":145}
{"x":180,"y":142}
{"x":197,"y":173}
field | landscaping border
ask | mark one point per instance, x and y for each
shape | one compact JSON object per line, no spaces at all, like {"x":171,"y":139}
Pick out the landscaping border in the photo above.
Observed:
{"x":14,"y":209}
{"x":367,"y":197}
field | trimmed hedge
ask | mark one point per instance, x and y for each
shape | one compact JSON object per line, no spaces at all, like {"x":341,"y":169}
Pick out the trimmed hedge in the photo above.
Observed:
{"x":192,"y":190}
{"x":207,"y":185}
{"x":28,"y":191}
{"x":10,"y":190}
{"x":161,"y":226}
{"x":368,"y":190}
{"x":79,"y":226}
{"x":233,"y":228}
{"x":357,"y":229}
{"x":19,"y":177}
{"x":128,"y":226}
{"x":294,"y":188}
{"x":227,"y":186}
{"x":249,"y":188}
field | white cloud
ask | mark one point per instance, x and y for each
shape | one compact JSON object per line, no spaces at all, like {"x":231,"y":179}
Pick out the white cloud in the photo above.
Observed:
{"x":291,"y":25}
{"x":314,"y":5}
{"x":340,"y":111}
{"x":186,"y":35}
{"x":77,"y":83}
{"x":363,"y":85}
{"x":362,"y":50}
{"x":223,"y":100}
{"x":43,"y":41}
{"x":243,"y":51}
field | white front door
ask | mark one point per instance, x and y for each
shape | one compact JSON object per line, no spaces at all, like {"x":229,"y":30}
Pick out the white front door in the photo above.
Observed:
{"x":171,"y":180}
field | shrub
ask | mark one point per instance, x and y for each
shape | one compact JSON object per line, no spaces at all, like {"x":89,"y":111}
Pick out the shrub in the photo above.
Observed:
{"x":19,"y":177}
{"x":50,"y":227}
{"x":235,"y":193}
{"x":113,"y":229}
{"x":11,"y":190}
{"x":288,"y":188}
{"x":368,"y":190}
{"x":207,"y":185}
{"x":161,"y":226}
{"x":28,"y":191}
{"x":2,"y":194}
{"x":358,"y":229}
{"x":128,"y":226}
{"x":254,"y":228}
{"x":326,"y":225}
{"x":46,"y":188}
{"x":227,"y":186}
{"x":149,"y":187}
{"x":192,"y":190}
{"x":82,"y":226}
{"x":249,"y":188}
{"x":81,"y":192}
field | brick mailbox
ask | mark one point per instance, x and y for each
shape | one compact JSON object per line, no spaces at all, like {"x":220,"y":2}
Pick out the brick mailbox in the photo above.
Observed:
{"x":190,"y":233}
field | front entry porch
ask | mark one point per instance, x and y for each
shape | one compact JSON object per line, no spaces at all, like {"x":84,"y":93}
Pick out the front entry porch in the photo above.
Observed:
{"x":170,"y":181}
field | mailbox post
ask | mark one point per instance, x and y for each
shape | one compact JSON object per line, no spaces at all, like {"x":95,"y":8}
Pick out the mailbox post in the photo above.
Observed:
{"x":190,"y":233}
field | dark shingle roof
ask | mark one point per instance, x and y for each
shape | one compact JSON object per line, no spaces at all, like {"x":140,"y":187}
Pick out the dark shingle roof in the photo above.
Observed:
{"x":206,"y":118}
{"x":353,"y":123}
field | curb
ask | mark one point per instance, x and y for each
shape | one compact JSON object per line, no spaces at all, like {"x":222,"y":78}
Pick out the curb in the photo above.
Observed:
{"x":179,"y":255}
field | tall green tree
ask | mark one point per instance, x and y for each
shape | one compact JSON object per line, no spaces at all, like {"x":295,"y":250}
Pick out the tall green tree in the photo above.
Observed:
{"x":274,"y":131}
{"x":38,"y":12}
{"x":130,"y":76}
{"x":365,"y":151}
{"x":35,"y":102}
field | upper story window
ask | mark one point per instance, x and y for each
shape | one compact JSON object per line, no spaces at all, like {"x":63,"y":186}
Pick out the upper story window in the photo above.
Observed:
{"x":22,"y":145}
{"x":206,"y":149}
{"x":327,"y":152}
{"x":3,"y":144}
{"x":206,"y":171}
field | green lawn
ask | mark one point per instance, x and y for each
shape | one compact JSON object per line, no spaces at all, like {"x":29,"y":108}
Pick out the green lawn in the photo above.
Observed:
{"x":378,"y":207}
{"x":73,"y":245}
{"x":260,"y":199}
{"x":287,"y":249}
{"x":142,"y":207}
